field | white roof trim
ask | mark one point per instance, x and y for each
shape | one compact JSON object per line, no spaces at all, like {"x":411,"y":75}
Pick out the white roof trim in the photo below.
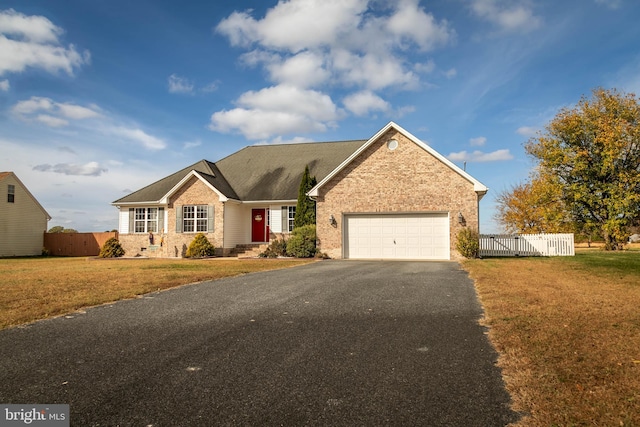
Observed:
{"x":165,"y":199}
{"x":480,"y":188}
{"x":156,"y":203}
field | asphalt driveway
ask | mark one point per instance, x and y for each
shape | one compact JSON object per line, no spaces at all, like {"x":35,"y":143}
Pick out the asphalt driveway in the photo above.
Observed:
{"x":330,"y":343}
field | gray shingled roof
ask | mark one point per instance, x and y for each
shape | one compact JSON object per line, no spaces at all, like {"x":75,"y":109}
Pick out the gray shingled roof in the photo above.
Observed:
{"x":258,"y":173}
{"x":156,"y":191}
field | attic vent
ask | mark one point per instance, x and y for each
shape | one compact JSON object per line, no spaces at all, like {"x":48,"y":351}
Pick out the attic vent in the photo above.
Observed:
{"x":392,"y":144}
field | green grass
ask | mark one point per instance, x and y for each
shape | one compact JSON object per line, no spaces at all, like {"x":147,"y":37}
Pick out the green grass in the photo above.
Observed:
{"x":601,"y":262}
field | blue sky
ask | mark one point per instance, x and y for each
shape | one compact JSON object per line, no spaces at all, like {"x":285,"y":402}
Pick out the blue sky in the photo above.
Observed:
{"x":100,"y":98}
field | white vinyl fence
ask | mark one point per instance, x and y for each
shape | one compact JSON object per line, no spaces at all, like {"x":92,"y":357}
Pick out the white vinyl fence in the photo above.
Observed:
{"x":526,"y":245}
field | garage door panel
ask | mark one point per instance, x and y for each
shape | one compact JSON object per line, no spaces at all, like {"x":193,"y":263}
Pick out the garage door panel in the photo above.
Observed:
{"x":397,"y":236}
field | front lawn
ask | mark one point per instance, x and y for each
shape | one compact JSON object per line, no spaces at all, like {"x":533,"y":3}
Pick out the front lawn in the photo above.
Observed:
{"x":37,"y":288}
{"x":568,"y":333}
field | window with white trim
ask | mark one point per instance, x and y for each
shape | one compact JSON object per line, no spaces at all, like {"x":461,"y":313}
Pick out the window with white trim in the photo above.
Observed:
{"x":288,"y":217}
{"x":196,"y":219}
{"x":291,"y":216}
{"x":145,"y":220}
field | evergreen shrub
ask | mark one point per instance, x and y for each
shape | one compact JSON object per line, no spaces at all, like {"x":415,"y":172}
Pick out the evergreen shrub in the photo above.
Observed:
{"x":200,"y":247}
{"x":468,"y":243}
{"x":302,"y":243}
{"x":111,"y":249}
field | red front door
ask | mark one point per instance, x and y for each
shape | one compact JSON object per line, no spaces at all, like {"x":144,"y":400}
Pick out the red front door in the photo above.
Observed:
{"x":258,"y":225}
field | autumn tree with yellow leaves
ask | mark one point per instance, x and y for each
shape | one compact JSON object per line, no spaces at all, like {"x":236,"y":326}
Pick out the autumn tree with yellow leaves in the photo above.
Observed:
{"x":588,"y":170}
{"x":533,"y":207}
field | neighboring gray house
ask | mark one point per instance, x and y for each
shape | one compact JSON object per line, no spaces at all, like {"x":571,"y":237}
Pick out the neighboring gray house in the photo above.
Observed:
{"x":390,"y":196}
{"x":23,"y":221}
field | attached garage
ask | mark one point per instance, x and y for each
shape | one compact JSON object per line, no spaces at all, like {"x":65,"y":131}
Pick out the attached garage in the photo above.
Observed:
{"x":397,"y":236}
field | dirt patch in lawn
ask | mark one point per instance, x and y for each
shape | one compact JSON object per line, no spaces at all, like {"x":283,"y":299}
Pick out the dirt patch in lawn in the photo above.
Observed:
{"x":568,"y":334}
{"x":37,"y":288}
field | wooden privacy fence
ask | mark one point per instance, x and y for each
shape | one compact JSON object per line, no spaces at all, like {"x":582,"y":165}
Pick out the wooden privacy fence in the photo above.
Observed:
{"x":76,"y":244}
{"x":526,"y":245}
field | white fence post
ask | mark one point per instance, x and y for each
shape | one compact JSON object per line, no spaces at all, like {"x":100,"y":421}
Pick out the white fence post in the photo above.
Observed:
{"x":526,"y":245}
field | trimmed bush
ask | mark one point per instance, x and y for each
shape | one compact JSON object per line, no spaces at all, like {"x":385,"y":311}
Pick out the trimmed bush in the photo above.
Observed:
{"x":111,"y":249}
{"x":200,"y":247}
{"x":468,"y":243}
{"x":302,"y":243}
{"x":276,"y":248}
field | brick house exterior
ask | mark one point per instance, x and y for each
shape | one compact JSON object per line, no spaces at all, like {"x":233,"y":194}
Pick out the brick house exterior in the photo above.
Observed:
{"x":391,"y":196}
{"x":406,"y":179}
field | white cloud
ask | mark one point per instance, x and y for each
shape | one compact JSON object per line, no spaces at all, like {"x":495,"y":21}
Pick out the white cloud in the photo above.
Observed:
{"x":310,"y":103}
{"x":138,"y":136}
{"x":192,"y":144}
{"x":365,"y":102}
{"x":211,"y":87}
{"x":372,"y":70}
{"x":4,"y":85}
{"x":402,"y":111}
{"x":295,"y":25}
{"x":33,"y":28}
{"x":305,"y":69}
{"x":425,"y":68}
{"x":508,"y":15}
{"x":32,"y":105}
{"x":57,"y":113}
{"x":412,"y":23}
{"x":362,"y":45}
{"x":77,"y":112}
{"x":611,"y":4}
{"x":88,"y":169}
{"x":451,"y":73}
{"x":477,"y":142}
{"x":479,"y":156}
{"x":526,"y":131}
{"x":276,"y":110}
{"x":260,"y":124}
{"x":179,"y":84}
{"x":33,"y":42}
{"x":51,"y":121}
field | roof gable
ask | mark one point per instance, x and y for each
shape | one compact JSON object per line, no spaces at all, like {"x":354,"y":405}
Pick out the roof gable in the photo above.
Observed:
{"x":158,"y":191}
{"x":5,"y":175}
{"x":480,"y":188}
{"x":208,"y":180}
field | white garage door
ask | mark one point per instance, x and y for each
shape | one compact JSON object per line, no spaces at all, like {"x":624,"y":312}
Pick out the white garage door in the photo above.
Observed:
{"x":397,"y":236}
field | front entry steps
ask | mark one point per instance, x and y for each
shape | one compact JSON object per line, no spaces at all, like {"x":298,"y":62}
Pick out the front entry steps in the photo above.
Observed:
{"x":249,"y":250}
